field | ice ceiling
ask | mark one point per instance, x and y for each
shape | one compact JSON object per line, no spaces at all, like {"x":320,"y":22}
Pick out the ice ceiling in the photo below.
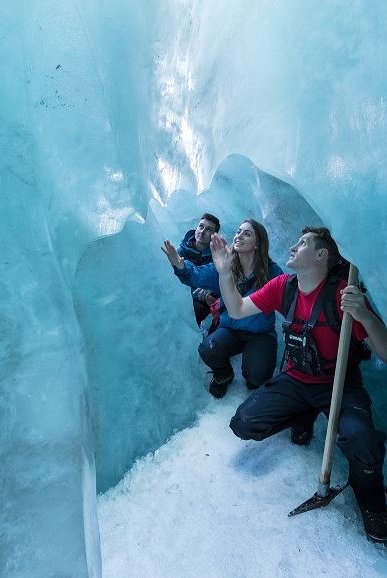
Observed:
{"x":115,"y":115}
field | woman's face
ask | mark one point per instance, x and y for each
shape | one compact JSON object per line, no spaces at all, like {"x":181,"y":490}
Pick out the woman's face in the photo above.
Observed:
{"x":244,"y":239}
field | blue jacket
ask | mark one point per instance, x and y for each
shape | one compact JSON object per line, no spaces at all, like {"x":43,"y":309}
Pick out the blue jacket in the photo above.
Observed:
{"x":188,"y":250}
{"x":207,"y":277}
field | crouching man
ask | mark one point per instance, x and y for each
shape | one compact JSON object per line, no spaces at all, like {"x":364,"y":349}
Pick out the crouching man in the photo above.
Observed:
{"x":195,"y":247}
{"x":305,"y":387}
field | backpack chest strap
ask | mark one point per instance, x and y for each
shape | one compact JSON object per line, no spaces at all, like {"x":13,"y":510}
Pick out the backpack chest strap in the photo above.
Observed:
{"x":317,"y":308}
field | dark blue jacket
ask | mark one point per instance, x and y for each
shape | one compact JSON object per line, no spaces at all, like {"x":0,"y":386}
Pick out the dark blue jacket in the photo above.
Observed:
{"x":207,"y":277}
{"x":188,"y":250}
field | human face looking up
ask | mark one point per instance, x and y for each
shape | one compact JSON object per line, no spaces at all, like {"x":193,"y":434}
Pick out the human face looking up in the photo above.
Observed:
{"x":303,"y":255}
{"x":203,"y":233}
{"x":244,"y":239}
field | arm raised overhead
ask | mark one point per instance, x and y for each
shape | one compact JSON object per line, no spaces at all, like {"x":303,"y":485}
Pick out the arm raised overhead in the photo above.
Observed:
{"x":237,"y":306}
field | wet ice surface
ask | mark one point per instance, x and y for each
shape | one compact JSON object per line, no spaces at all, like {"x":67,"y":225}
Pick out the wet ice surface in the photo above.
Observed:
{"x":208,"y":504}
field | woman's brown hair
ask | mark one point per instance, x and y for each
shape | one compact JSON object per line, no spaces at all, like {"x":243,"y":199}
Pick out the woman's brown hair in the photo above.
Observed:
{"x":261,"y":257}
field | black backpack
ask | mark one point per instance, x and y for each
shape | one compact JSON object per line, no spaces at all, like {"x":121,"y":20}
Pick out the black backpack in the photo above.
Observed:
{"x":359,"y":350}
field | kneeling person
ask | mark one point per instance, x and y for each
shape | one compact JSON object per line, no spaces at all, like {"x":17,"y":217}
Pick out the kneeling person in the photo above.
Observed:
{"x":195,"y":247}
{"x":255,"y":337}
{"x":305,"y":387}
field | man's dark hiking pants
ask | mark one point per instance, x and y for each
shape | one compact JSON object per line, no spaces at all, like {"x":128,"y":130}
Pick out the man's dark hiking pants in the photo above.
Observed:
{"x":282,"y":401}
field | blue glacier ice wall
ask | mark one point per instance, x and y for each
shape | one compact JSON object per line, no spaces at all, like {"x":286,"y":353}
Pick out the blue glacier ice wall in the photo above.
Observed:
{"x":140,"y":336}
{"x":114,"y":116}
{"x":300,"y":88}
{"x":48,"y":518}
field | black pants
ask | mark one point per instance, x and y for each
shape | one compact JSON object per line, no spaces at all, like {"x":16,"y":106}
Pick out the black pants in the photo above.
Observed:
{"x":259,"y":354}
{"x":284,"y":401}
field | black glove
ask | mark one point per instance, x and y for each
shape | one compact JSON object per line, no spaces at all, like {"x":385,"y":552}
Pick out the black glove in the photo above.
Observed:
{"x":204,"y":296}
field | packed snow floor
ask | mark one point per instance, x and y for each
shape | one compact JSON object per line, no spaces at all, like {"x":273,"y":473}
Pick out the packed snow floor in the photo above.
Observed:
{"x":209,"y":505}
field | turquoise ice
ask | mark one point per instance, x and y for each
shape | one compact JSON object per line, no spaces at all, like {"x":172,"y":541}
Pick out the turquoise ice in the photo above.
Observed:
{"x":121,"y":121}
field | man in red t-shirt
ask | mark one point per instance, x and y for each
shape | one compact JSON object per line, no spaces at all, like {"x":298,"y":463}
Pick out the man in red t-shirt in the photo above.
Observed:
{"x":304,"y":389}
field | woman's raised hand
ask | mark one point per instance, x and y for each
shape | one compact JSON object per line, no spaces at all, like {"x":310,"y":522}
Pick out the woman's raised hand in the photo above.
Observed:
{"x":173,"y":256}
{"x":221,"y":254}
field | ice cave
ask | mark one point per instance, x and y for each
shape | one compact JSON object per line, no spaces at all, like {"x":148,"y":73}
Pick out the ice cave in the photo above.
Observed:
{"x":122,"y":121}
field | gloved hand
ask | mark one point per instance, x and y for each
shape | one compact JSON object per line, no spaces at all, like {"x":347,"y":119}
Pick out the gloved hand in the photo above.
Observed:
{"x":204,"y":296}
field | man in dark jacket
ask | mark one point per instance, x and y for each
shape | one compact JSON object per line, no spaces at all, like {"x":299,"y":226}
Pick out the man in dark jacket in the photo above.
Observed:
{"x":195,"y":247}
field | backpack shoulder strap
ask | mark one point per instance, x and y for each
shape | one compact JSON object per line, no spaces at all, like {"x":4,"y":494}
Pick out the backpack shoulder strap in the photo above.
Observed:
{"x":330,"y":304}
{"x":288,"y":294}
{"x":326,"y":301}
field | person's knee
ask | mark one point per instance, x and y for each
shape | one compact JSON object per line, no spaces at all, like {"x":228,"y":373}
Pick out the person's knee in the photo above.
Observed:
{"x":259,"y":370}
{"x":210,"y":350}
{"x":206,"y":349}
{"x":255,"y":379}
{"x":202,"y":349}
{"x":244,"y":429}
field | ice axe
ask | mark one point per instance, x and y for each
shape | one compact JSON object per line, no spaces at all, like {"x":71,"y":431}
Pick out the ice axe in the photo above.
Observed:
{"x":325,"y":494}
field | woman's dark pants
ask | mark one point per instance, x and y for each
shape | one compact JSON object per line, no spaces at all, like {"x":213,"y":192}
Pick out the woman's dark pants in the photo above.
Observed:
{"x":259,"y":354}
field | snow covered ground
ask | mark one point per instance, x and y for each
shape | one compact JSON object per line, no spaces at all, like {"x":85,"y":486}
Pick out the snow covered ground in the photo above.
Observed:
{"x":207,"y":504}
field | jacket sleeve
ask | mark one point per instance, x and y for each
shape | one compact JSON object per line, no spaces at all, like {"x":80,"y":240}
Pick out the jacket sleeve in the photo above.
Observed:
{"x":203,"y":276}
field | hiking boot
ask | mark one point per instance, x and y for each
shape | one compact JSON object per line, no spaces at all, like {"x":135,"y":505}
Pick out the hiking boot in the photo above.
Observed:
{"x":301,"y":437}
{"x":370,"y":493}
{"x":375,"y":525}
{"x":218,"y":385}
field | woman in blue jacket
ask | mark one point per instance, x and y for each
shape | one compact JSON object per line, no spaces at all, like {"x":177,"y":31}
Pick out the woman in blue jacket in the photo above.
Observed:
{"x":255,"y":337}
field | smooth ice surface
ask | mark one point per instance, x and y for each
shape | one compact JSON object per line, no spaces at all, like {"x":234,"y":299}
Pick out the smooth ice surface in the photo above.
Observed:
{"x":300,"y":88}
{"x":209,"y":504}
{"x":114,"y":117}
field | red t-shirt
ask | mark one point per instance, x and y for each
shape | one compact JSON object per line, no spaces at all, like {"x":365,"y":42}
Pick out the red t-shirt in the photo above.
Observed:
{"x":269,"y":298}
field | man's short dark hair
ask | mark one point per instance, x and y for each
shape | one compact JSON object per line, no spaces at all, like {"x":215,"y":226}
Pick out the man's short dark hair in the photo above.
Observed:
{"x":324,"y":240}
{"x":213,"y":219}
